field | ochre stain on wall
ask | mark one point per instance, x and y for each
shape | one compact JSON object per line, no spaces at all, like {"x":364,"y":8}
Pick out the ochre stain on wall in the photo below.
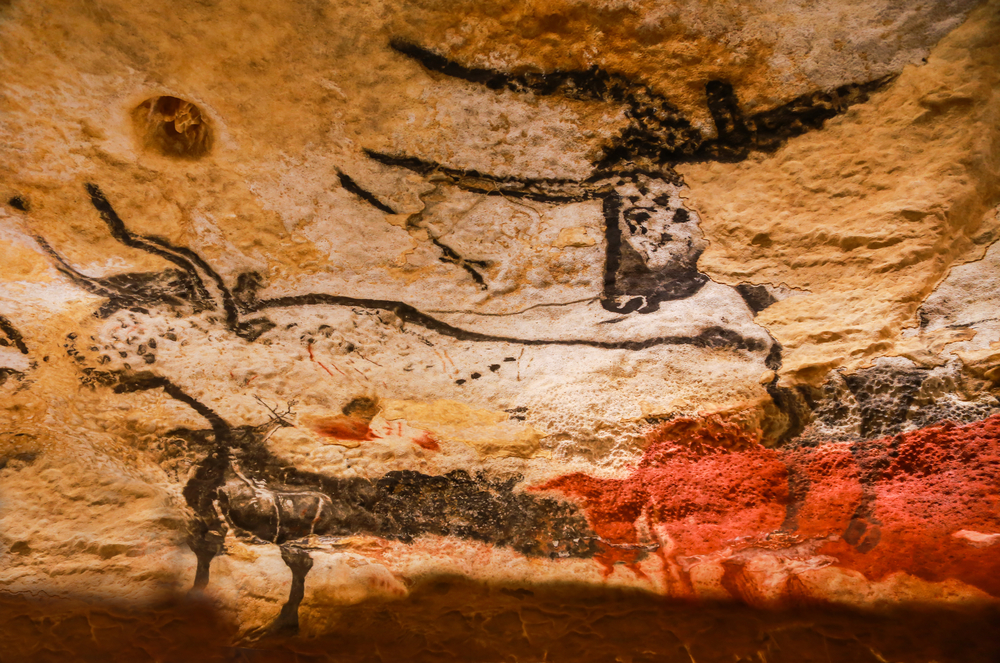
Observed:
{"x":881,"y":507}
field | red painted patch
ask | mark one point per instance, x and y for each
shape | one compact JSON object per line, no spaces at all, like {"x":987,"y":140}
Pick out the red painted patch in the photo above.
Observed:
{"x":425,"y":441}
{"x":345,"y":428}
{"x":935,"y":481}
{"x":706,"y":486}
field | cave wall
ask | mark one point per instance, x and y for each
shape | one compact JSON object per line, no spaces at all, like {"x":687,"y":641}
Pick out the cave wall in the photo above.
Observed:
{"x":435,"y":330}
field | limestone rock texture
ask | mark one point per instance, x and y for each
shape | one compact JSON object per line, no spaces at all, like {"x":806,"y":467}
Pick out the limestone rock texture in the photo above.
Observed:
{"x":530,"y":330}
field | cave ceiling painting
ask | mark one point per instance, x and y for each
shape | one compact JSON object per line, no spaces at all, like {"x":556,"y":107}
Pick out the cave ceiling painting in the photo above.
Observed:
{"x":536,"y":360}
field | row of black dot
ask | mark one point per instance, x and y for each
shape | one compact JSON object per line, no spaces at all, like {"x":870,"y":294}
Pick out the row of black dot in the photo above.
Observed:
{"x":493,"y":369}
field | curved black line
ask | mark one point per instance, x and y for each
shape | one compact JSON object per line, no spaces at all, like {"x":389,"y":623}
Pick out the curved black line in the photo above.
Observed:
{"x":419,"y":166}
{"x":612,"y":257}
{"x":594,"y":84}
{"x":228,"y":301}
{"x":179,"y":255}
{"x":452,"y":256}
{"x":120,"y":232}
{"x":8,"y":328}
{"x":449,"y":254}
{"x":201,"y":488}
{"x":657,"y":131}
{"x":145,"y":380}
{"x":89,"y":283}
{"x":546,"y":190}
{"x":350,"y":185}
{"x":713,"y":337}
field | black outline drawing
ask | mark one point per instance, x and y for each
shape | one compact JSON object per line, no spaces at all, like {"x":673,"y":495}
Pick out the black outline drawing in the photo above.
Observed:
{"x":193,"y":284}
{"x":242,"y":488}
{"x":655,"y":139}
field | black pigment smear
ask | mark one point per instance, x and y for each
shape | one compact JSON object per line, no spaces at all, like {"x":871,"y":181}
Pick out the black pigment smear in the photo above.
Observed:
{"x":125,"y":382}
{"x":248,"y":284}
{"x":300,"y":563}
{"x":19,"y":203}
{"x":629,"y":284}
{"x":589,"y":85}
{"x":451,"y":256}
{"x":448,"y":254}
{"x":756,"y":296}
{"x":793,"y":405}
{"x":403,"y":505}
{"x":726,"y":114}
{"x":771,"y":128}
{"x":540,"y":190}
{"x":884,"y":397}
{"x":863,"y":531}
{"x":798,"y":489}
{"x":135,"y":291}
{"x":13,"y":336}
{"x":352,"y":186}
{"x":7,"y":373}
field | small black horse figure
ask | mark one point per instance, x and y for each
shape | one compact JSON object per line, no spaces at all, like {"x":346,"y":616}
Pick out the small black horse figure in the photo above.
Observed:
{"x":241,"y":487}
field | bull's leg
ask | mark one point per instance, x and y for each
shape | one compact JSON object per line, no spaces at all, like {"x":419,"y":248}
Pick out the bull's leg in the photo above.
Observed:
{"x":199,"y":492}
{"x":299,"y":562}
{"x":863,"y":531}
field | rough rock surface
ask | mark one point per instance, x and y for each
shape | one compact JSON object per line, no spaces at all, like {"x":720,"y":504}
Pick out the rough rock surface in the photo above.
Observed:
{"x":576,"y":330}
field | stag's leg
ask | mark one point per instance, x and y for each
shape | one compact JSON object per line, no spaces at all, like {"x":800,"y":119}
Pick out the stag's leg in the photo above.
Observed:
{"x":206,"y":544}
{"x":299,"y":562}
{"x":202,"y":488}
{"x":207,"y":533}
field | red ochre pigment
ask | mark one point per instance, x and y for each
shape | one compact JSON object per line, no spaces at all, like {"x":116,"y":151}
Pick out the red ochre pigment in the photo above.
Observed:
{"x":345,"y":428}
{"x":706,"y":487}
{"x":426,"y":441}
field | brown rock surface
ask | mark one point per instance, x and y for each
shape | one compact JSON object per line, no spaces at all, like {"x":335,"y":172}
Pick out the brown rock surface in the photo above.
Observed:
{"x":905,"y":189}
{"x":577,"y":330}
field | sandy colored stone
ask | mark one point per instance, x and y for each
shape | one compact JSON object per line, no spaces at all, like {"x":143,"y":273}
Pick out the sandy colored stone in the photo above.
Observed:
{"x":868,"y":215}
{"x":425,"y":390}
